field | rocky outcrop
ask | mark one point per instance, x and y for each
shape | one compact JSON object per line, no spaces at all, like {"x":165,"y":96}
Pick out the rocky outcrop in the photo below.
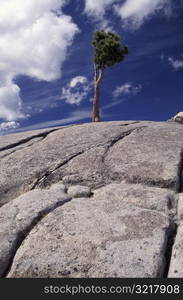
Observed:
{"x":92,"y":200}
{"x":178,"y":117}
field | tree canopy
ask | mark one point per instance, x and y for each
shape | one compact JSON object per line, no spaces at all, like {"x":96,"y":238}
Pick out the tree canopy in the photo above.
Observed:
{"x":108,"y":49}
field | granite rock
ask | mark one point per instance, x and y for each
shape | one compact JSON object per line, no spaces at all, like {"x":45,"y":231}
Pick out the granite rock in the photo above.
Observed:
{"x":19,"y":216}
{"x":92,"y":155}
{"x":125,"y":179}
{"x":97,"y":237}
{"x":178,"y":117}
{"x":78,"y":191}
{"x":176,"y":263}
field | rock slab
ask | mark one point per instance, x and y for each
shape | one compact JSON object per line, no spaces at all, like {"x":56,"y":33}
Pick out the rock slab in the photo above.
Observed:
{"x":102,"y":236}
{"x":92,"y":200}
{"x":92,"y":155}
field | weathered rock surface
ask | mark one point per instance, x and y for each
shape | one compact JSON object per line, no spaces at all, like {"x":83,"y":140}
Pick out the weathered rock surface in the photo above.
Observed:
{"x":94,"y":155}
{"x":100,"y":237}
{"x":59,"y":186}
{"x":157,"y":199}
{"x":18,"y":217}
{"x":78,"y":191}
{"x":180,"y":206}
{"x":129,"y":179}
{"x":176,"y":263}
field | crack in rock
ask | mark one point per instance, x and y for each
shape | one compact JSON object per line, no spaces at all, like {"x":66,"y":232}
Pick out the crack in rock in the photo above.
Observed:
{"x":41,"y":135}
{"x":171,"y":235}
{"x":24,"y":141}
{"x":122,"y":234}
{"x":131,"y":123}
{"x":180,"y":174}
{"x":19,"y":148}
{"x":120,"y":137}
{"x":112,"y":143}
{"x":20,"y":216}
{"x":118,"y":176}
{"x":41,"y":177}
{"x":51,"y":171}
{"x":44,"y":176}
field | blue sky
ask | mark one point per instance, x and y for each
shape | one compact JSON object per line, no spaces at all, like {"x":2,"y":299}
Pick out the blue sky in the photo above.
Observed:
{"x":46,"y":69}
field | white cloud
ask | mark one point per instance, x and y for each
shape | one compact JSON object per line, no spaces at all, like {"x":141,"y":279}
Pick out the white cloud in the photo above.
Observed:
{"x":132,"y":12}
{"x":9,"y":97}
{"x":97,"y":7}
{"x":135,"y":13}
{"x":97,"y":10}
{"x":6,"y":126}
{"x":112,"y":104}
{"x":78,"y":79}
{"x":34,"y":37}
{"x":127,"y":89}
{"x":76,"y":90}
{"x":176,"y":64}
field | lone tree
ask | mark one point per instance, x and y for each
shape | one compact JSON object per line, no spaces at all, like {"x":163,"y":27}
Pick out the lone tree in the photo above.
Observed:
{"x":108,"y":51}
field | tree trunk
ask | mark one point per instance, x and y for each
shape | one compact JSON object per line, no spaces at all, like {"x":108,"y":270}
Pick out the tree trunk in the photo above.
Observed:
{"x":98,"y":79}
{"x":96,"y":114}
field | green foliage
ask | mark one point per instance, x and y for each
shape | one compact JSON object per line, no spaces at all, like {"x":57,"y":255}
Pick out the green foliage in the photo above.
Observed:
{"x":108,"y":49}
